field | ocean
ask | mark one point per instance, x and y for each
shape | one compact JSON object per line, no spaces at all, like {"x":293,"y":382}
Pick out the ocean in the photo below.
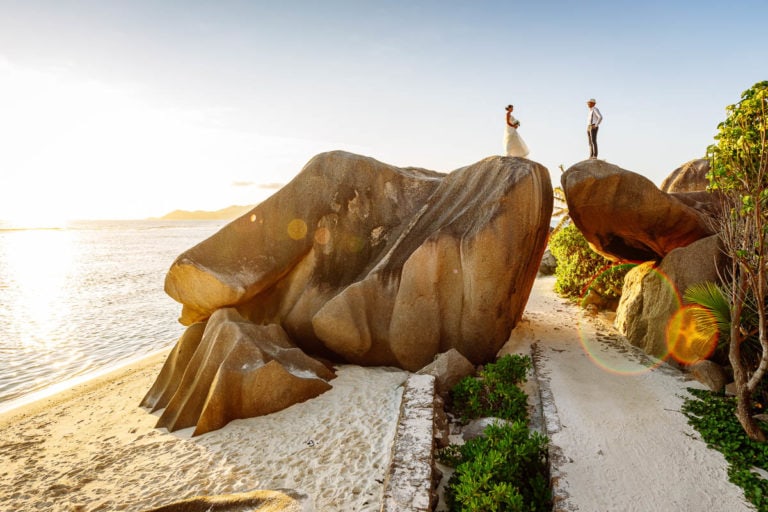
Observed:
{"x":80,"y":299}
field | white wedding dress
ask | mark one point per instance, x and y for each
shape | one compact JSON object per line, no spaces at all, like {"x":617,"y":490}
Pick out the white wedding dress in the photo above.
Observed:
{"x":513,"y":143}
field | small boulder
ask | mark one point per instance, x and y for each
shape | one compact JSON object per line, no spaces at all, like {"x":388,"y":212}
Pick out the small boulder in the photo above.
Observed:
{"x":476,"y":427}
{"x":710,"y":374}
{"x":548,"y":264}
{"x":448,"y":369}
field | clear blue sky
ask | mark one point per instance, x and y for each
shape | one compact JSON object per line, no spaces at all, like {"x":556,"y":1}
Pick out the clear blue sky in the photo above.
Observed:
{"x":129,"y":109}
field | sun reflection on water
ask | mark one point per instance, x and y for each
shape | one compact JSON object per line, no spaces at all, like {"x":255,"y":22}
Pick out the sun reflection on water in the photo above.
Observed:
{"x":37,"y":264}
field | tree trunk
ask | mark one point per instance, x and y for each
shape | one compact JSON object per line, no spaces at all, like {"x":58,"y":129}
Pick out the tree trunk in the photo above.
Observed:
{"x":744,"y":413}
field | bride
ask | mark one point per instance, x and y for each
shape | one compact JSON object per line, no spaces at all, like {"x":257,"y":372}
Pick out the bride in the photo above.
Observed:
{"x":514,"y":145}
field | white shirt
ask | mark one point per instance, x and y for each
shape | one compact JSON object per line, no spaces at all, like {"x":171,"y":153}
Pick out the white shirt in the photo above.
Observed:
{"x":594,"y":117}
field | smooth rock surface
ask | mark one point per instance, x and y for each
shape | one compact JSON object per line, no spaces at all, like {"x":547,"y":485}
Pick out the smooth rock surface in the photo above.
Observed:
{"x":652,"y":294}
{"x":448,"y":369}
{"x":689,"y":177}
{"x":625,"y":217}
{"x":377,"y":265}
{"x":237,"y":370}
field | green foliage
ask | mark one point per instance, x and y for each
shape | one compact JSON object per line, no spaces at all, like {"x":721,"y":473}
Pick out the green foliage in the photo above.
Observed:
{"x":506,"y":470}
{"x":579,"y":268}
{"x":560,"y":210}
{"x":713,"y":299}
{"x":713,"y":416}
{"x":715,"y":311}
{"x":495,"y":392}
{"x":737,"y":159}
{"x":739,"y":173}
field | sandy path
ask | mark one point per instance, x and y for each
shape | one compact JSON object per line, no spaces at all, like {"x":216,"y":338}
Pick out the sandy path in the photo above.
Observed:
{"x":93,"y":449}
{"x":614,"y":418}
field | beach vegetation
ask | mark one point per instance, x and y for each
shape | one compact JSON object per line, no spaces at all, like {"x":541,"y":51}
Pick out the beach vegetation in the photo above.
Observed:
{"x":580,"y":269}
{"x":507,"y":468}
{"x":739,"y":176}
{"x":560,"y":209}
{"x":713,"y":416}
{"x":713,"y":313}
{"x":494,"y":392}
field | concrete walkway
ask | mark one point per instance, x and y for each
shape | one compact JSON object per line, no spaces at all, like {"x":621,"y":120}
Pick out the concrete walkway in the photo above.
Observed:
{"x":618,"y":439}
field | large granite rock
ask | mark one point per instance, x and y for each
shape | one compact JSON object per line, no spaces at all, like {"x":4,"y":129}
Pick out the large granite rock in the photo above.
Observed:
{"x":378,"y":265}
{"x":625,"y":217}
{"x":652,"y":293}
{"x":689,"y":177}
{"x":230,"y":368}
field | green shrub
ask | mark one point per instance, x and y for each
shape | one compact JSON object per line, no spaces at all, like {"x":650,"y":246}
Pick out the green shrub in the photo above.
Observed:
{"x":506,"y":470}
{"x":714,"y":417}
{"x":494,"y":392}
{"x":579,"y":268}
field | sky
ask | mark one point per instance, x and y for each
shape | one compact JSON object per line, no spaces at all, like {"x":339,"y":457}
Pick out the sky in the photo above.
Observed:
{"x":132,"y":109}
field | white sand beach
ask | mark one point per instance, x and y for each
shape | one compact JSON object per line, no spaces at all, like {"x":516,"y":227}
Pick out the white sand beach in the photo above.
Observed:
{"x":616,"y":426}
{"x":93,"y":449}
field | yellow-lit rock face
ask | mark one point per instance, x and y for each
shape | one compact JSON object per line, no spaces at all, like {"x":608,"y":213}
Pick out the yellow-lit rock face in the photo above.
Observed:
{"x":230,"y":368}
{"x":377,"y":265}
{"x":356,"y":261}
{"x":625,"y":217}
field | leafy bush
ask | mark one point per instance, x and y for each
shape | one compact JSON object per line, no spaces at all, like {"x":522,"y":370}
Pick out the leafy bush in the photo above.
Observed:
{"x":579,"y":268}
{"x":505,"y":470}
{"x":495,"y":392}
{"x":713,"y":416}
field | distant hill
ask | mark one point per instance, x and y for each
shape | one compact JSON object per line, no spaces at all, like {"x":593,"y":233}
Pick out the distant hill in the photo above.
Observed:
{"x":228,"y":213}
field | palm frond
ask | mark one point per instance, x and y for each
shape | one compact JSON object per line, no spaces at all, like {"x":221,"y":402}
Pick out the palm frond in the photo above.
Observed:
{"x":716,"y":308}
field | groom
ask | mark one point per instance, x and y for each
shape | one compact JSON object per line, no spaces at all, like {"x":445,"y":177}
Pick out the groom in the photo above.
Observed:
{"x":593,"y":121}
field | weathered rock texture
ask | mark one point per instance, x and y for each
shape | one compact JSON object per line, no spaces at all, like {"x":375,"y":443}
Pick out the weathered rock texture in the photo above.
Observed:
{"x":625,"y":217}
{"x":357,"y":261}
{"x":689,"y":177}
{"x":652,"y":293}
{"x":232,"y":369}
{"x":378,"y":265}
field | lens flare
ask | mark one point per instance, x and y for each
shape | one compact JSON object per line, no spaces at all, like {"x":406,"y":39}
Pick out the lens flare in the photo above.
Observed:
{"x":691,"y":334}
{"x":610,"y":352}
{"x":297,"y":229}
{"x":354,"y":243}
{"x":322,"y":235}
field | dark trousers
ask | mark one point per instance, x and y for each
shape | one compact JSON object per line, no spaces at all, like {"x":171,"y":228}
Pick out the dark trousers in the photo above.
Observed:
{"x":592,"y":134}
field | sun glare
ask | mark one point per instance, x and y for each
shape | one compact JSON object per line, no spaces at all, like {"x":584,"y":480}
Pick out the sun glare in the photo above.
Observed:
{"x":36,"y":264}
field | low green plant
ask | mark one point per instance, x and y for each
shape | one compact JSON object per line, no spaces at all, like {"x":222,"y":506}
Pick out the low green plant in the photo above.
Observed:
{"x":495,"y":392}
{"x":505,"y":470}
{"x":579,"y":268}
{"x":714,"y":417}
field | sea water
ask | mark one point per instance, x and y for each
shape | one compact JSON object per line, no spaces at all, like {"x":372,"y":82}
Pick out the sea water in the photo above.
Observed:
{"x":84,"y":297}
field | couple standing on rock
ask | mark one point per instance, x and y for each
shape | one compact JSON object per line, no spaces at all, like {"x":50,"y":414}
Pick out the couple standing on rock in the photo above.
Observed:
{"x":515,"y":146}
